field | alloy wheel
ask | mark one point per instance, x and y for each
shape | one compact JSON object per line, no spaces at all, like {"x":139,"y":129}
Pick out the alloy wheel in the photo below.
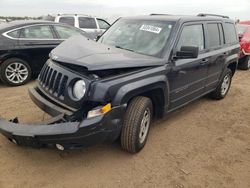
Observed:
{"x":144,"y":127}
{"x":16,"y":72}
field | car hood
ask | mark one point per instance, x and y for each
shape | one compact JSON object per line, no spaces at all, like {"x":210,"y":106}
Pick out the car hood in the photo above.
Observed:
{"x":93,"y":55}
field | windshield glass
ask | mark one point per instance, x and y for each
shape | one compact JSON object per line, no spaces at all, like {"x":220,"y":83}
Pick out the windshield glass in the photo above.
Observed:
{"x":241,"y":29}
{"x":147,"y":37}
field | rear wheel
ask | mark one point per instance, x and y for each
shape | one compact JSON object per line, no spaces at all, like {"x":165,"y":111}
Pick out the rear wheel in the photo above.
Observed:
{"x":244,"y":63}
{"x":15,"y":72}
{"x":221,"y":91}
{"x":136,"y":124}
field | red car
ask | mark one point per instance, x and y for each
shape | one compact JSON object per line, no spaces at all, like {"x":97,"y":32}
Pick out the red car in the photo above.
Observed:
{"x":244,"y":37}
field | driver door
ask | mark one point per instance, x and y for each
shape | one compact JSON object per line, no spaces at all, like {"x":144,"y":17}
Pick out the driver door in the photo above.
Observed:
{"x":188,"y":75}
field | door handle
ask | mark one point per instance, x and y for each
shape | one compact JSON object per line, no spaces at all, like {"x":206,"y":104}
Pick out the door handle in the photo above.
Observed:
{"x":225,"y":53}
{"x":204,"y":61}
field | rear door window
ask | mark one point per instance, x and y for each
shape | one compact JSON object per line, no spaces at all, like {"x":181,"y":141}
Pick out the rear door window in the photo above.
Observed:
{"x":67,"y":20}
{"x":66,"y":32}
{"x":230,"y":33}
{"x":87,"y":23}
{"x":192,"y":35}
{"x":213,"y":35}
{"x":37,"y":32}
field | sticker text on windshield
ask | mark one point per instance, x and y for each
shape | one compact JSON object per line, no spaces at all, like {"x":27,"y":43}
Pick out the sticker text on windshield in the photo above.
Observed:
{"x":151,"y":28}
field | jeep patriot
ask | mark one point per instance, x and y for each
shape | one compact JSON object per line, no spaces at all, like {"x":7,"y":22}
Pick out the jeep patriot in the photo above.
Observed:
{"x":141,"y":68}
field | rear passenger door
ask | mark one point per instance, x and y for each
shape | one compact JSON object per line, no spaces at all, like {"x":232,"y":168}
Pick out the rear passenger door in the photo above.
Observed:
{"x":216,"y":53}
{"x":37,"y":41}
{"x":188,"y":76}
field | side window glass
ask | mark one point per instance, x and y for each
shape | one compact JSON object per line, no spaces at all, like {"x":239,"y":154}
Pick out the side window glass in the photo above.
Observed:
{"x":103,"y":24}
{"x":88,"y":23}
{"x":37,"y":32}
{"x":66,"y":32}
{"x":67,"y":20}
{"x":230,"y":33}
{"x":192,"y":35}
{"x":213,"y":35}
{"x":14,"y":34}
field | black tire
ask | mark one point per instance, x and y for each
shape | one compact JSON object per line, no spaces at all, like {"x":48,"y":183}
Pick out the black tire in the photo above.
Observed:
{"x":11,"y":62}
{"x":135,"y":113}
{"x":244,"y":63}
{"x":220,"y":92}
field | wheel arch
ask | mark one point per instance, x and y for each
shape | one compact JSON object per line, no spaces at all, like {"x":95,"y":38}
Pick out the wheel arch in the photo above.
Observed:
{"x":156,"y":88}
{"x":232,"y":66}
{"x":24,"y":57}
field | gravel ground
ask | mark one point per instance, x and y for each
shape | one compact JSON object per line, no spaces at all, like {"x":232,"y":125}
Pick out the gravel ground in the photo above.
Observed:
{"x":205,"y":144}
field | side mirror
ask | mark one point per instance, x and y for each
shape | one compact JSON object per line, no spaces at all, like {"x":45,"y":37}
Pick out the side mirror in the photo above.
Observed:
{"x":187,"y":52}
{"x":240,"y":36}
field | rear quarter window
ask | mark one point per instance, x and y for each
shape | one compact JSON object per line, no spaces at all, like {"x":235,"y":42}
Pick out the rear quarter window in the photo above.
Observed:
{"x":230,"y":33}
{"x":14,"y":34}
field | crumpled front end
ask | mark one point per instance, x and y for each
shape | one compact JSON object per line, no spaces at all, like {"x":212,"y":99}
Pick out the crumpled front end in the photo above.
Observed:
{"x":70,"y":126}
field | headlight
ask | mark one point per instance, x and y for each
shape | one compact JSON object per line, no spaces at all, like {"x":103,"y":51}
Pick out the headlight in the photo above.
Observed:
{"x":79,"y":89}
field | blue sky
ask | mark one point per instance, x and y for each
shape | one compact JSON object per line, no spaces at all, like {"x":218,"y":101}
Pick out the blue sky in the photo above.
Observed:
{"x":115,"y":8}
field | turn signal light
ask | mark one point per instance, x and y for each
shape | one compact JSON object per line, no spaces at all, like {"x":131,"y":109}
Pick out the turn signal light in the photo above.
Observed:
{"x":99,"y":111}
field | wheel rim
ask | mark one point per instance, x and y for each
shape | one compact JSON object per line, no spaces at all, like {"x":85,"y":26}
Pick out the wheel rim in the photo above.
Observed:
{"x":225,"y":84}
{"x":16,"y":72}
{"x":144,"y":125}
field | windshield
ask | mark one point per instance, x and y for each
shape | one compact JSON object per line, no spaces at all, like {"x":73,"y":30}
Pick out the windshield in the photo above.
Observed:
{"x":241,"y":29}
{"x":140,"y":36}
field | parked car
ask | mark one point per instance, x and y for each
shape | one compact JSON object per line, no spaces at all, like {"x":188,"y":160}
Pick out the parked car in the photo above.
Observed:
{"x":142,"y":67}
{"x":245,"y":22}
{"x":2,"y":21}
{"x":25,"y":47}
{"x":92,"y":25}
{"x":244,"y":37}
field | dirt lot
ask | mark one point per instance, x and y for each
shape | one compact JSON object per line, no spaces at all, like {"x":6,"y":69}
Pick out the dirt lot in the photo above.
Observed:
{"x":206,"y":144}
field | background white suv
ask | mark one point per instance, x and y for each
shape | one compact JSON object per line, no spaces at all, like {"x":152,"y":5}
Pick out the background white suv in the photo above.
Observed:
{"x":92,"y":25}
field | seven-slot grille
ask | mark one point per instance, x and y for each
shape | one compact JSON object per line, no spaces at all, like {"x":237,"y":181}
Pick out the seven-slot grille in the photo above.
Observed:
{"x":53,"y":81}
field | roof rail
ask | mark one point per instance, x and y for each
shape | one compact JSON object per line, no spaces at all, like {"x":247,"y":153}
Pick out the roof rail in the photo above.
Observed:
{"x":215,"y":15}
{"x":60,"y":14}
{"x":153,"y":14}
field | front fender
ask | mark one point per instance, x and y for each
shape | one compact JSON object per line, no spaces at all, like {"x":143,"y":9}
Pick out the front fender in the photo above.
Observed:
{"x":130,"y":90}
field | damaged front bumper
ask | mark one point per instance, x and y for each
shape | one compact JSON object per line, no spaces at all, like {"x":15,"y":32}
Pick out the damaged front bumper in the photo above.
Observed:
{"x":70,"y":135}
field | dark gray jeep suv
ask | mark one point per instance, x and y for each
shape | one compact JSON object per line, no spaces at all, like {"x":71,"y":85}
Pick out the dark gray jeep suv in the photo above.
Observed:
{"x":142,"y":67}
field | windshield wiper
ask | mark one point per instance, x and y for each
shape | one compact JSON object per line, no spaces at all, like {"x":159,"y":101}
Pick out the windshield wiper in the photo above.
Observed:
{"x":124,"y":48}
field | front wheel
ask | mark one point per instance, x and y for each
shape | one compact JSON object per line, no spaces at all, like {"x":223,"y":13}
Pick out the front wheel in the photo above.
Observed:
{"x":15,"y":72}
{"x":221,"y":91}
{"x":136,"y":124}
